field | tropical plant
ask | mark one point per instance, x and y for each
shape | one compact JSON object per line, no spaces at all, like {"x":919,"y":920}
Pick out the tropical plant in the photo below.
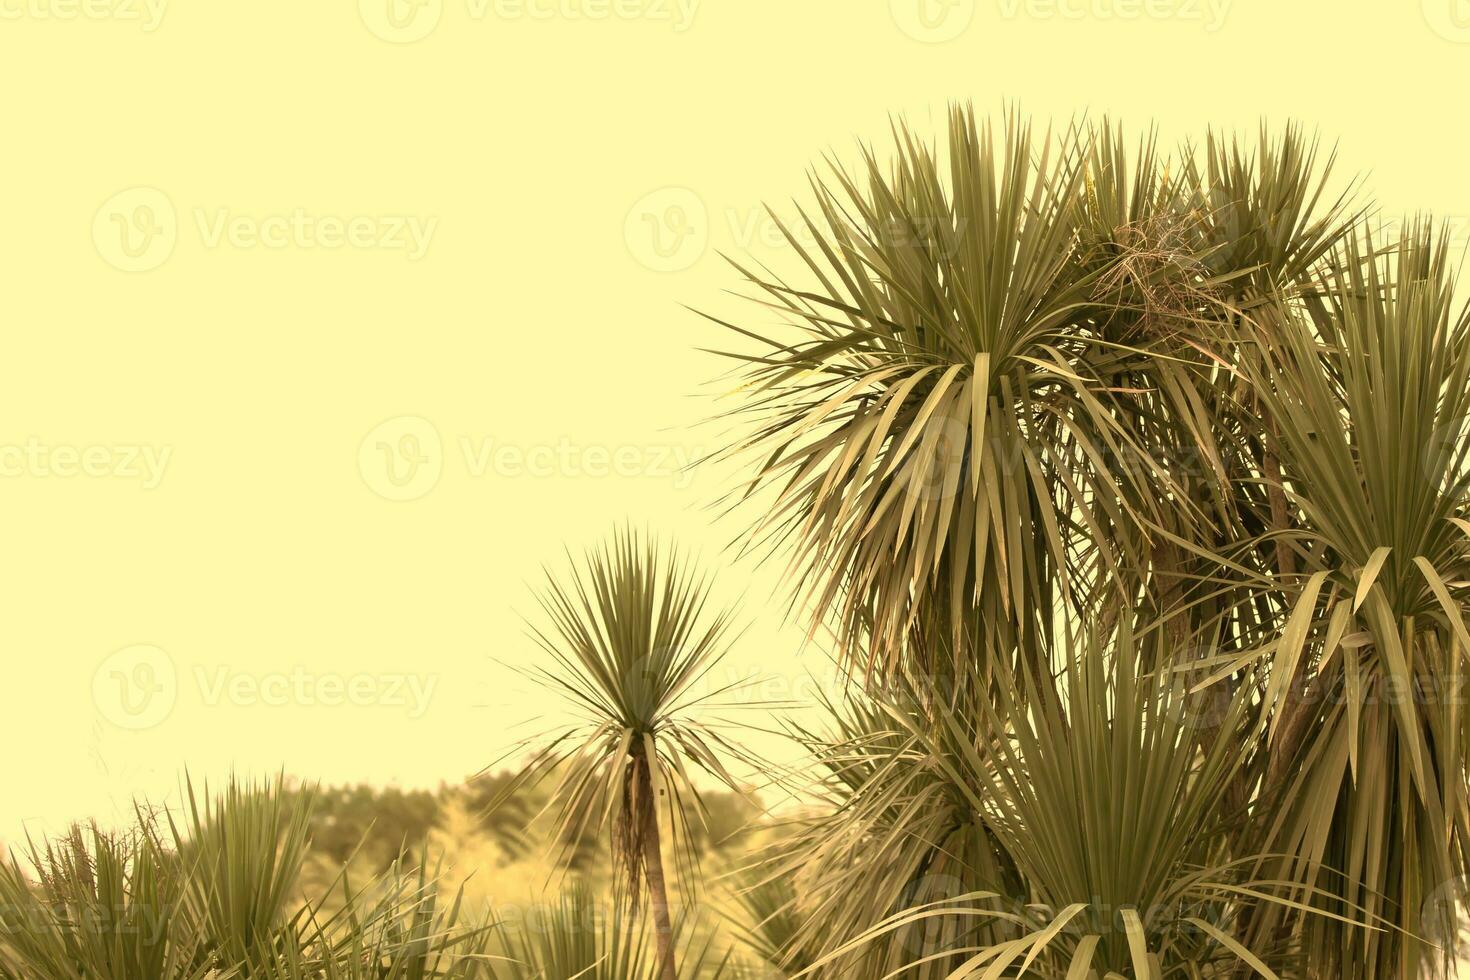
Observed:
{"x":1372,"y":410}
{"x":1108,"y":812}
{"x":1189,"y":400}
{"x":576,"y":938}
{"x":768,"y":922}
{"x":632,"y":648}
{"x":887,"y":828}
{"x":100,"y":906}
{"x":212,"y":894}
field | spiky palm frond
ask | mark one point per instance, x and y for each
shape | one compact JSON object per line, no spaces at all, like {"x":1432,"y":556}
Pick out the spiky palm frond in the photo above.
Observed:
{"x":892,"y":830}
{"x":396,"y":927}
{"x":1006,"y":374}
{"x":213,"y":894}
{"x":904,"y":420}
{"x":576,"y":937}
{"x":770,"y":922}
{"x":102,"y":905}
{"x":632,"y":648}
{"x":242,"y":848}
{"x":1370,"y":392}
{"x":1112,"y":815}
{"x":1271,"y":218}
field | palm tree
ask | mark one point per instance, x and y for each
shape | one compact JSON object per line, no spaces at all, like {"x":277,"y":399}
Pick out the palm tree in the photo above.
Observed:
{"x":630,"y":646}
{"x":1372,"y":404}
{"x":1190,"y":400}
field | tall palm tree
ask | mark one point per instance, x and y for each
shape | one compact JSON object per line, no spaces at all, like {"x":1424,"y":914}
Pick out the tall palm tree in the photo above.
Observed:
{"x":631,"y":645}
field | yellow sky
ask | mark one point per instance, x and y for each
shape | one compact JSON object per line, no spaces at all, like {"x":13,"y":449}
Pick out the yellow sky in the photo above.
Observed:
{"x":325,"y":324}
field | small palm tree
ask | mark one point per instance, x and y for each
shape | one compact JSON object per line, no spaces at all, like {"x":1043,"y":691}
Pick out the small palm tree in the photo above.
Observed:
{"x":632,"y":648}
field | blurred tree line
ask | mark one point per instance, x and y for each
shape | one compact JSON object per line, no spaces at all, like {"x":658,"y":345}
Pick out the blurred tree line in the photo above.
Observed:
{"x":455,"y":827}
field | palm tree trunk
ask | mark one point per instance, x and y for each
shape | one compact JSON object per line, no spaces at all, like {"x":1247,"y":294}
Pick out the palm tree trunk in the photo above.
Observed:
{"x":1300,"y":710}
{"x":653,"y":867}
